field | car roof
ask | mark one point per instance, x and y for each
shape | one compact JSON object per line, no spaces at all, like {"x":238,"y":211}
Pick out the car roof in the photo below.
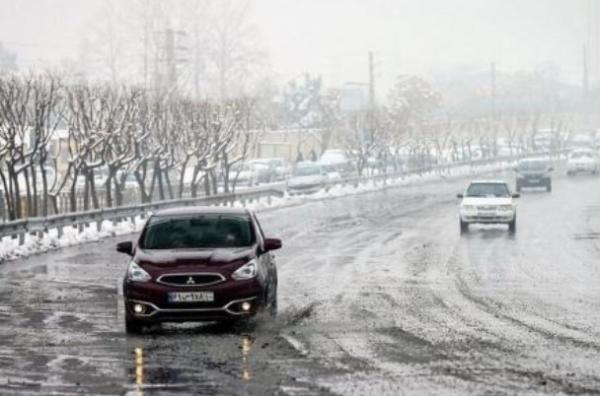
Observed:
{"x":200,"y":210}
{"x":488,"y":182}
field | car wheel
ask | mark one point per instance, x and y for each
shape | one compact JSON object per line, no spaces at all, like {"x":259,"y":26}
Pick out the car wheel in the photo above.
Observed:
{"x":132,"y":325}
{"x":569,"y":173}
{"x":549,"y":187}
{"x":512,"y":226}
{"x":464,"y":227}
{"x":518,"y":188}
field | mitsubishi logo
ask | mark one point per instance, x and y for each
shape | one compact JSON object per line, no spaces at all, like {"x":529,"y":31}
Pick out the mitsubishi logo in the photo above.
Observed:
{"x":190,"y":281}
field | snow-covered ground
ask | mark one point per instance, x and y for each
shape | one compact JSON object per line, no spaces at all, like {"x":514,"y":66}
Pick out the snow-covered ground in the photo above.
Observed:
{"x":10,"y":248}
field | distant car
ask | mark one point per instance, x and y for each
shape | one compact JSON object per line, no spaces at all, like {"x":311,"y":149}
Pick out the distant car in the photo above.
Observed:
{"x":277,"y":168}
{"x":307,"y":177}
{"x":336,"y":160}
{"x":250,"y":173}
{"x":488,"y":202}
{"x":199,"y":264}
{"x":582,"y":161}
{"x":533,"y":173}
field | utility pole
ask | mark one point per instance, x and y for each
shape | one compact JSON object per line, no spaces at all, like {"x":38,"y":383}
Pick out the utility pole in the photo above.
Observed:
{"x":493,"y":89}
{"x":170,"y":58}
{"x":196,"y":63}
{"x":586,"y":81}
{"x":371,"y":82}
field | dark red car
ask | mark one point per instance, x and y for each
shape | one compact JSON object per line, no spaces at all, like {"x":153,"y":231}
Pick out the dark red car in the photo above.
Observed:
{"x":199,"y":264}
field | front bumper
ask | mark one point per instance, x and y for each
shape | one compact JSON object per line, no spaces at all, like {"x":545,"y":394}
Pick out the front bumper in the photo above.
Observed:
{"x":533,"y":181}
{"x":497,"y":217}
{"x":227,"y":304}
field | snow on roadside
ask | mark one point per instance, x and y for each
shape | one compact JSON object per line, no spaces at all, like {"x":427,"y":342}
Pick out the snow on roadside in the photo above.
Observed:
{"x":10,"y":248}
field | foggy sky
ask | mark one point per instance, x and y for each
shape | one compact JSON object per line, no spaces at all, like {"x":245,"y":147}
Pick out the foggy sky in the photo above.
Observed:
{"x":332,"y":37}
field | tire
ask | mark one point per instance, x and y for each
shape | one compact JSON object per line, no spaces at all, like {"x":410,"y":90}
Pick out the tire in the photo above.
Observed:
{"x":132,"y":325}
{"x":518,"y":188}
{"x":464,"y":227}
{"x":512,"y":226}
{"x":549,"y":187}
{"x":569,"y":173}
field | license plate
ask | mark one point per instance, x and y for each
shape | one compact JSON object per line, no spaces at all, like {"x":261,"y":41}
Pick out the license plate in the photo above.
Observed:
{"x":534,"y":181}
{"x":487,"y":213}
{"x":185,"y":297}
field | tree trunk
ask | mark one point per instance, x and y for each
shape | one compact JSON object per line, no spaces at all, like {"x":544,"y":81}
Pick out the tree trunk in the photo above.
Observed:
{"x":73,"y":191}
{"x":44,"y":186}
{"x":182,"y":177}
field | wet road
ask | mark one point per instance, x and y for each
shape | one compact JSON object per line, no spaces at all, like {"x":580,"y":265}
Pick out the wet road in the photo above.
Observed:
{"x":379,"y":294}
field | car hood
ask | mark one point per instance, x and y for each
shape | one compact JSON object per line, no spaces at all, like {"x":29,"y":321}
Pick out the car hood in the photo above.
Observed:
{"x":477,"y":201}
{"x":179,"y":260}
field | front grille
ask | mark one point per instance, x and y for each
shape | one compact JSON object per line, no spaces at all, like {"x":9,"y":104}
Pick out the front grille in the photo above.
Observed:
{"x":193,"y":279}
{"x":488,"y":207}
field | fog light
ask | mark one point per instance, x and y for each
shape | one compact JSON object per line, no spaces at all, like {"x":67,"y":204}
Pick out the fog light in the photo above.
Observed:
{"x":138,"y":308}
{"x":246,"y":306}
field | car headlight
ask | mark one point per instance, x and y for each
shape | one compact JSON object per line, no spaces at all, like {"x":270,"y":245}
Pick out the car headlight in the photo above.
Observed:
{"x":469,"y":207}
{"x":246,"y":271}
{"x":135,"y":273}
{"x":505,"y":207}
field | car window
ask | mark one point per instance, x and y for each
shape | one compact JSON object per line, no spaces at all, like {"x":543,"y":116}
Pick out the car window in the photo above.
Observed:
{"x":532,"y":165}
{"x":581,"y":154}
{"x":307,"y":171}
{"x":197,"y":232}
{"x":488,"y":190}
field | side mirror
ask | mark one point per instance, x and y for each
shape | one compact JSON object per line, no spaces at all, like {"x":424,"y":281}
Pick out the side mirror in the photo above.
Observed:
{"x":125,"y":247}
{"x":459,"y":196}
{"x":516,"y":195}
{"x":272,"y":244}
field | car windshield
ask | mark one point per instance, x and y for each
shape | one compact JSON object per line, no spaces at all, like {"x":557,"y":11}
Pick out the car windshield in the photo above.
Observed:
{"x":241,"y":167}
{"x":487,"y":190}
{"x":581,"y":154}
{"x":532,"y":166}
{"x":307,"y":171}
{"x":197,"y":232}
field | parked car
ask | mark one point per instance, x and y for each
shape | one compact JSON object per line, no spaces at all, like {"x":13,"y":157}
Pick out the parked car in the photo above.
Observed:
{"x":582,"y":161}
{"x":534,"y":173}
{"x":250,"y":174}
{"x":488,"y":202}
{"x":199,"y":264}
{"x":336,"y":160}
{"x":307,"y":177}
{"x":278,"y":168}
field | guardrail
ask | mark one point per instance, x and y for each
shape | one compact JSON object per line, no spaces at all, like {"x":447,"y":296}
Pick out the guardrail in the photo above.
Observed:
{"x":81,"y":220}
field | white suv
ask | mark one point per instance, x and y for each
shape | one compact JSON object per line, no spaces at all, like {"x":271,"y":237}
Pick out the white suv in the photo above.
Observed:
{"x":582,"y":160}
{"x":488,"y":202}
